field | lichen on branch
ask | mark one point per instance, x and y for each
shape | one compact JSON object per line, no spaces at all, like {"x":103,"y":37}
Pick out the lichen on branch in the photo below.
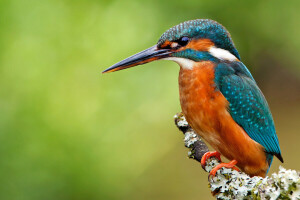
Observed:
{"x":231,"y":184}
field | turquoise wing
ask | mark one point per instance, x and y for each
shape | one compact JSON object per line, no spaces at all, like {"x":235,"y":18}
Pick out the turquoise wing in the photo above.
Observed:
{"x":247,"y":105}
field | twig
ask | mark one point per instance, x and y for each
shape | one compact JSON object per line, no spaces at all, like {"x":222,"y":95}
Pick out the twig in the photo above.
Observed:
{"x":230,"y":184}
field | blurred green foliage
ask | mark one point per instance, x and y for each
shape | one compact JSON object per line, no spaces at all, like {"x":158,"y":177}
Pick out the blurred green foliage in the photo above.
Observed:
{"x":68,"y":132}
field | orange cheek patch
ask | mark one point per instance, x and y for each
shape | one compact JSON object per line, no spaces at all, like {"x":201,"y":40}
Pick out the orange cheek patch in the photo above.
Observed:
{"x":200,"y":44}
{"x":167,"y":43}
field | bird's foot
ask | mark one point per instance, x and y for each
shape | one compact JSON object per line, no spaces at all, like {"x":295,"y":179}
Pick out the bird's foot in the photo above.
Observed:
{"x":209,"y":154}
{"x":231,"y":165}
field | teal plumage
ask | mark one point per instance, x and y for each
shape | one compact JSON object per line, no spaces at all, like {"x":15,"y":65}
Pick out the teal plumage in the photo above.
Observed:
{"x":247,"y":105}
{"x":201,"y":28}
{"x":218,"y":95}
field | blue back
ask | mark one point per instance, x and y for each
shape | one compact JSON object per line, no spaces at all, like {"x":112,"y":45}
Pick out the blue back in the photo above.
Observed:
{"x":247,"y":105}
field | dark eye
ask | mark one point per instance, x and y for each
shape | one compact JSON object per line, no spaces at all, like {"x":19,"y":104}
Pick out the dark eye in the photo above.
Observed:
{"x":183,"y":41}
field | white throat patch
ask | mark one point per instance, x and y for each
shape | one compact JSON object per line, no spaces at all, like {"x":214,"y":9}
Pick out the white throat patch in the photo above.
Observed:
{"x":183,"y":62}
{"x":221,"y":54}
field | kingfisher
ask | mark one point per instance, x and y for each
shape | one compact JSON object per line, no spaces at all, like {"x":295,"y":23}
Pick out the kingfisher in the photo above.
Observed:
{"x":218,"y":95}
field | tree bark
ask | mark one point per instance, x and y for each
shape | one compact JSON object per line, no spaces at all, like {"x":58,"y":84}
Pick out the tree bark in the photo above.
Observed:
{"x":231,"y":184}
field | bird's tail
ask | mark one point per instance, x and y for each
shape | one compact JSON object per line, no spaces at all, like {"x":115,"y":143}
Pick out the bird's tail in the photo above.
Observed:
{"x":270,"y":160}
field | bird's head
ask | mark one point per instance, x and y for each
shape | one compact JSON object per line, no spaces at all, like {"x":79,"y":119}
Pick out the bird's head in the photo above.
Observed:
{"x":187,"y":43}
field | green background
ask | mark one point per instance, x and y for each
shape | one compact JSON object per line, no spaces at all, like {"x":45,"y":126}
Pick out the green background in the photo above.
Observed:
{"x":69,"y":132}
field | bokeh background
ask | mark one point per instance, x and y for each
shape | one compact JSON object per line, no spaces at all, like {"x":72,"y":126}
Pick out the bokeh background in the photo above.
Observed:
{"x":69,"y":132}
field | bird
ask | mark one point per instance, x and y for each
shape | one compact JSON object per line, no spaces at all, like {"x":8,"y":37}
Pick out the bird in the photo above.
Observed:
{"x":218,"y":95}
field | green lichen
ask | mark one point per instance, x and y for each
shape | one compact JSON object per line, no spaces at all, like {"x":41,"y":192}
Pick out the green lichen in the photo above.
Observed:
{"x":230,"y":184}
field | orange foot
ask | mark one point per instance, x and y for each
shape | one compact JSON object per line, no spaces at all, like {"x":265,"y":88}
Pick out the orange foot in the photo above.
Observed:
{"x":231,"y":164}
{"x":209,"y":154}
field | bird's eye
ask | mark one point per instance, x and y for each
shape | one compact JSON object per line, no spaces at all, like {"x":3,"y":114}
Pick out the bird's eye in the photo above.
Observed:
{"x":183,"y":41}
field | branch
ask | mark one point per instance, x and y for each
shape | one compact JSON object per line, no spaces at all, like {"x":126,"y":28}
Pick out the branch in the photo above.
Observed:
{"x":230,"y":184}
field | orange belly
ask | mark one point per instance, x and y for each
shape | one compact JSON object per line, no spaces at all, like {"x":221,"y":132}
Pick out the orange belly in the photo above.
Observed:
{"x":205,"y":109}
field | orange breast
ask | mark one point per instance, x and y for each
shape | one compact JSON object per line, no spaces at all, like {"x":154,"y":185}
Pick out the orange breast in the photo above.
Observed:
{"x":205,"y":108}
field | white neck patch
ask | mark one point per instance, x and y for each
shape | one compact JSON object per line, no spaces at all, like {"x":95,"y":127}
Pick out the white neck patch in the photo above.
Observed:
{"x":183,"y":62}
{"x":221,"y":54}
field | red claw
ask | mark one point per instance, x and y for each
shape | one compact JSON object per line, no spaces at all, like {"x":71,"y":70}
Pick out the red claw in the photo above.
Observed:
{"x":209,"y":154}
{"x":231,"y":164}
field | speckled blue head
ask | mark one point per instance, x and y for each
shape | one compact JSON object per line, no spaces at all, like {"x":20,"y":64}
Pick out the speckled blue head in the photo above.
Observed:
{"x":186,"y":43}
{"x":201,"y":29}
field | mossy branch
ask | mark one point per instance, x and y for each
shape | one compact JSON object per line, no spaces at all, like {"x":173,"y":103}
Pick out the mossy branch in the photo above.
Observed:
{"x":230,"y":184}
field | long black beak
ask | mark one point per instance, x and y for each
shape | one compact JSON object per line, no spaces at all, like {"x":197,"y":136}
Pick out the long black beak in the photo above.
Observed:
{"x":140,"y":58}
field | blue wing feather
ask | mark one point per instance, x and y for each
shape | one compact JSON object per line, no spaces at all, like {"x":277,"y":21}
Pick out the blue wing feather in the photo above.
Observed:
{"x":247,"y":105}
